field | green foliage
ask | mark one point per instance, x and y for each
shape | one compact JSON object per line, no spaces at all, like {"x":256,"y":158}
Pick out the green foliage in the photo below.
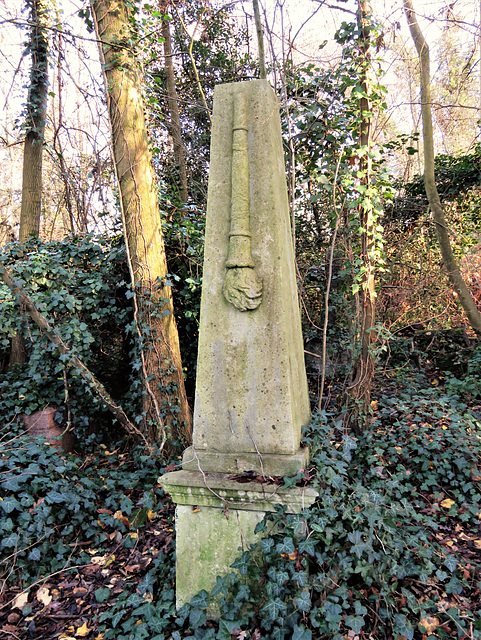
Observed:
{"x":32,"y":120}
{"x":78,"y":285}
{"x":470,"y":384}
{"x":455,"y":175}
{"x":377,"y":553}
{"x":49,"y":503}
{"x":416,"y":289}
{"x":184,"y":244}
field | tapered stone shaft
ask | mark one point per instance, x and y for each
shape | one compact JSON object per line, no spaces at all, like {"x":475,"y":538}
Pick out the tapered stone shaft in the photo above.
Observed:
{"x":251,"y":393}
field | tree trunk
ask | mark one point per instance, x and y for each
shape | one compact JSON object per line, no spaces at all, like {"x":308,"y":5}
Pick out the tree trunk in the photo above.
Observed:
{"x":31,"y":206}
{"x":260,"y":40}
{"x":175,"y":128}
{"x":359,"y":392}
{"x":166,"y":412}
{"x":464,"y":295}
{"x":35,"y":121}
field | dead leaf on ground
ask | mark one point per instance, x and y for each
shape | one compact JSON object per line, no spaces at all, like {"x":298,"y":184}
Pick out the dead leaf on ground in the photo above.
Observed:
{"x":82,"y":631}
{"x":429,"y":623}
{"x":20,"y":601}
{"x":447,"y":503}
{"x":9,"y":629}
{"x":103,"y":561}
{"x":43,"y":596}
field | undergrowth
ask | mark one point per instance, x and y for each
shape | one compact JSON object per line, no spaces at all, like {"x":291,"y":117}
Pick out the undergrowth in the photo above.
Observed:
{"x":391,"y":549}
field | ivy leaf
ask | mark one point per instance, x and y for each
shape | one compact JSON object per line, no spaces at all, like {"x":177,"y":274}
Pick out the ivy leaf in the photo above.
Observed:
{"x":355,"y":623}
{"x":226,"y":627}
{"x":267,"y":544}
{"x":301,"y":578}
{"x":11,"y":484}
{"x":147,"y":584}
{"x":403,"y":626}
{"x":274,"y":608}
{"x":10,"y":541}
{"x":219,"y":587}
{"x":242,"y":563}
{"x":34,"y":554}
{"x":307,"y":546}
{"x":55,"y":497}
{"x":200,"y":600}
{"x":301,"y":633}
{"x":278,"y":633}
{"x":102,"y":594}
{"x":287,"y":546}
{"x":450,"y":563}
{"x":9,"y":504}
{"x":358,"y":546}
{"x":332,"y":612}
{"x":197,"y":618}
{"x":117,"y":617}
{"x":303,"y":601}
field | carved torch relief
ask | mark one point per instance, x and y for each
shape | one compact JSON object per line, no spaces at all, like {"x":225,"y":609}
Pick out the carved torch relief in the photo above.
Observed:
{"x":242,"y":286}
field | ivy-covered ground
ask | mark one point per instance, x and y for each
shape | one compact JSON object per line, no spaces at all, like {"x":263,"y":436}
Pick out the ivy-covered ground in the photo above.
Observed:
{"x":391,"y":550}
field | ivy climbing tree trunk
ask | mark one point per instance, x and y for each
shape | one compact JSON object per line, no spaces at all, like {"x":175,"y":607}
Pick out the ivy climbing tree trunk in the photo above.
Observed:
{"x":450,"y":264}
{"x":36,"y":113}
{"x":173,"y":103}
{"x":359,"y":391}
{"x":167,"y":416}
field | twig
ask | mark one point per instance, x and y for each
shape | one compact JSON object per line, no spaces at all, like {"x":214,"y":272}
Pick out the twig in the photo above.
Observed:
{"x":194,"y":66}
{"x":329,"y":278}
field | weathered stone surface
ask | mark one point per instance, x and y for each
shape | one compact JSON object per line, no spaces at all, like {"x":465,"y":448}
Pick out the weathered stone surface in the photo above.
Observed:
{"x":269,"y":464}
{"x":215,"y":522}
{"x":251,"y":392}
{"x":218,"y":490}
{"x":208,"y":542}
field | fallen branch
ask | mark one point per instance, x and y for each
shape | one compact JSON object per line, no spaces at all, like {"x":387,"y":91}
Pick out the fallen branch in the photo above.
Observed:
{"x":24,"y":302}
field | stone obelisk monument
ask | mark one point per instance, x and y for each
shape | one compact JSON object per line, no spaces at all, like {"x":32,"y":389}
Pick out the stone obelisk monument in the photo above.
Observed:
{"x":251,"y":389}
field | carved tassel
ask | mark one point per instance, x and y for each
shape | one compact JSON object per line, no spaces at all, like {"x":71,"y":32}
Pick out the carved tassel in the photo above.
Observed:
{"x":242,"y":286}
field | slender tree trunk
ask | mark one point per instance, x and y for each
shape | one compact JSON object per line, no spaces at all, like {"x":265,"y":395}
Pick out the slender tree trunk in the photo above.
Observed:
{"x":166,"y":411}
{"x":35,"y":121}
{"x":359,"y":392}
{"x":31,"y":206}
{"x":260,"y":40}
{"x":172,"y":100}
{"x":57,"y":140}
{"x":450,"y":264}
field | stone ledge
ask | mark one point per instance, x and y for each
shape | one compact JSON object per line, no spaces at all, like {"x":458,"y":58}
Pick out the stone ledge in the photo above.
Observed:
{"x":273,"y":464}
{"x":217,"y":490}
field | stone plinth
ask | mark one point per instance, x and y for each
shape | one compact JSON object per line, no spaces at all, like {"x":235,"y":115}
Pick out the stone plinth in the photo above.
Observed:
{"x":267,"y":464}
{"x":215,"y":520}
